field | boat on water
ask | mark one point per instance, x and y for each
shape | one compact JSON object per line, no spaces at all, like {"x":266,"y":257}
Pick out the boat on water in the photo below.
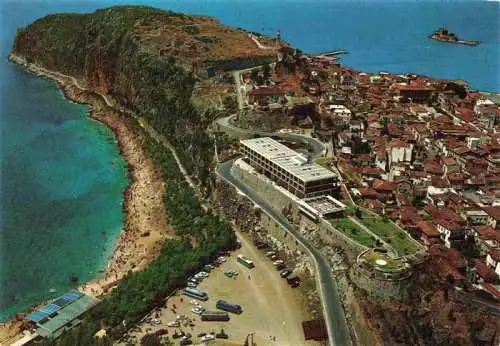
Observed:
{"x":443,"y":35}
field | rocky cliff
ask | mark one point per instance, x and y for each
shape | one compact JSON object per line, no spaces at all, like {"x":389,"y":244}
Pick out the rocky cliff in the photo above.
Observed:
{"x":147,"y":59}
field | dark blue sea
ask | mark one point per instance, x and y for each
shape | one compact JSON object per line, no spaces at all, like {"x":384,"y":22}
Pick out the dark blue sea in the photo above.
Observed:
{"x":62,"y":178}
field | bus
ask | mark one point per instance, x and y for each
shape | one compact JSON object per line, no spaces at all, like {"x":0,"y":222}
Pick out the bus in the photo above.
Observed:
{"x":195,"y":293}
{"x":227,"y":306}
{"x":245,"y":261}
{"x":214,"y":316}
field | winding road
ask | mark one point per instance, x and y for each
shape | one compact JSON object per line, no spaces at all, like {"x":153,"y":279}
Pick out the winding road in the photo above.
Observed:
{"x":318,"y":147}
{"x":333,"y":311}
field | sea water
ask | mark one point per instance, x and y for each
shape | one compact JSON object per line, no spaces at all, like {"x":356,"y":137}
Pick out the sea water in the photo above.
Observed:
{"x":62,"y":178}
{"x":61,"y":186}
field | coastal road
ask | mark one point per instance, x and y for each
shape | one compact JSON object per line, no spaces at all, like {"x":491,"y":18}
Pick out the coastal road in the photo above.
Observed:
{"x":332,"y":307}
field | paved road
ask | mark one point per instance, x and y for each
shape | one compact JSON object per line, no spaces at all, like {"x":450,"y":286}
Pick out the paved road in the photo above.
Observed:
{"x":327,"y":287}
{"x":237,"y":79}
{"x":318,"y":147}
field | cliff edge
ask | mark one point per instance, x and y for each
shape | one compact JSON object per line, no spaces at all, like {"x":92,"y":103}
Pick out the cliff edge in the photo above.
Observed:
{"x":148,"y":60}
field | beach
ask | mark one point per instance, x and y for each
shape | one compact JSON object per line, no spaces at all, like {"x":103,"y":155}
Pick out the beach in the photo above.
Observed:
{"x":146,"y":226}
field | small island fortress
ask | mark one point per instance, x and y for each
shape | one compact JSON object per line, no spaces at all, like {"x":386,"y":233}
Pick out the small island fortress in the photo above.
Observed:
{"x":443,"y":35}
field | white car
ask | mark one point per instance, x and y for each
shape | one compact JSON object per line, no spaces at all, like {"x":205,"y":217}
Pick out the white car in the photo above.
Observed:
{"x":222,"y":259}
{"x":155,"y":321}
{"x":197,"y":310}
{"x":207,"y":337}
{"x":204,"y":274}
{"x":191,"y":284}
{"x":174,"y":324}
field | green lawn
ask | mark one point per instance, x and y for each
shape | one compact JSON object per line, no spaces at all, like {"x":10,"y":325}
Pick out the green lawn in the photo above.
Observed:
{"x":353,"y":231}
{"x":391,"y":234}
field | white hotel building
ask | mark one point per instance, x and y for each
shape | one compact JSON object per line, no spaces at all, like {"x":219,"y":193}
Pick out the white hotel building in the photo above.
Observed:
{"x":288,"y":168}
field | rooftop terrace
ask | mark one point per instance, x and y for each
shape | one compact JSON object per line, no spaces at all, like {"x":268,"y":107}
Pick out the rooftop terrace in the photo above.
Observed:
{"x":288,"y":159}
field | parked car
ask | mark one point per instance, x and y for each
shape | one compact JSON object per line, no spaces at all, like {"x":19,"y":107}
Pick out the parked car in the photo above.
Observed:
{"x":274,"y":258}
{"x":186,"y":337}
{"x":174,"y":324}
{"x":270,"y":253}
{"x":208,"y":267}
{"x":278,"y":262}
{"x":198,"y":310}
{"x":208,"y":337}
{"x":261,"y":245}
{"x":155,"y":321}
{"x":191,"y":284}
{"x":285,"y":272}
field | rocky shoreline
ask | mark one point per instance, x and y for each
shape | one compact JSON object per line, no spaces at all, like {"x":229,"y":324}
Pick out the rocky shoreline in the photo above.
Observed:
{"x":146,"y":226}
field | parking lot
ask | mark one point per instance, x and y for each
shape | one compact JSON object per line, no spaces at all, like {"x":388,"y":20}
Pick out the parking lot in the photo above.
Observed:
{"x":272,"y":309}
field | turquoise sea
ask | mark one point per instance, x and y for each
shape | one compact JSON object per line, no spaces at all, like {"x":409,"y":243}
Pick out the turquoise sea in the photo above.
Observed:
{"x":62,"y":178}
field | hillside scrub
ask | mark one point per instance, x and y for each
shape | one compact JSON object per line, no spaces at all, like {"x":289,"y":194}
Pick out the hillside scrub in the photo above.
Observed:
{"x":105,"y":50}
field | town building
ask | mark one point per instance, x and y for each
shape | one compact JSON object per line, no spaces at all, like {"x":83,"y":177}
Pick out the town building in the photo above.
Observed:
{"x":266,"y":95}
{"x":287,"y":168}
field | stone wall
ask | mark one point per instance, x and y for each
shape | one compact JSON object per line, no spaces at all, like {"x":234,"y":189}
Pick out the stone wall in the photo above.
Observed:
{"x":384,"y":289}
{"x":262,"y":185}
{"x":334,"y":238}
{"x":277,"y":196}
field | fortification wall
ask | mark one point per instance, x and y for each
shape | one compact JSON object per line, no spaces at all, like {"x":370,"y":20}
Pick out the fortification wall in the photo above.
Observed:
{"x":334,"y":238}
{"x":375,"y":287}
{"x":259,"y":183}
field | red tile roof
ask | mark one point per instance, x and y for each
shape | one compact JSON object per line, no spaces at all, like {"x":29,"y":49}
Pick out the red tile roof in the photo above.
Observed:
{"x":367,"y":192}
{"x":465,"y":114}
{"x":495,"y":254}
{"x":485,"y":272}
{"x":448,"y":224}
{"x":267,"y":91}
{"x":488,"y":233}
{"x":494,"y":212}
{"x":428,"y":228}
{"x":385,"y":186}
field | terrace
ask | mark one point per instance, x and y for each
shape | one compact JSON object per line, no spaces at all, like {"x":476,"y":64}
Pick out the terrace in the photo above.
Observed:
{"x":390,"y":233}
{"x":354,"y":232}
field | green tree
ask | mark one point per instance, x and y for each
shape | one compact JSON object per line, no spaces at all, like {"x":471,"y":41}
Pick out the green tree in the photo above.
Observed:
{"x":266,"y":72}
{"x":151,"y":340}
{"x":254,"y":75}
{"x":230,"y":104}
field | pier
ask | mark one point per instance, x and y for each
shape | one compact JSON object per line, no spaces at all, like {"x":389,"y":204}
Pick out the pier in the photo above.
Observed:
{"x":332,"y":52}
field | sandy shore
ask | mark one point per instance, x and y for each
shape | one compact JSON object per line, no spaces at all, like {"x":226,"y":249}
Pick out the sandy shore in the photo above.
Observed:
{"x":146,"y":226}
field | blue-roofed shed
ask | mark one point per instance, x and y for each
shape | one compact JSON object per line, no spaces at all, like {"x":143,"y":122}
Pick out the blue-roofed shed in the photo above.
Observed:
{"x":62,"y":314}
{"x":37,"y":316}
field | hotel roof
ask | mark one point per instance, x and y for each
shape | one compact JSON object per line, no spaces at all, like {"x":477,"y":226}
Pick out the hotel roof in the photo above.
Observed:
{"x":288,"y":159}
